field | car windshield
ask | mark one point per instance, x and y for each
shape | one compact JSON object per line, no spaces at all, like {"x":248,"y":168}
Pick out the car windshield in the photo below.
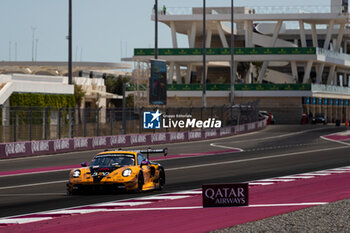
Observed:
{"x":113,"y":160}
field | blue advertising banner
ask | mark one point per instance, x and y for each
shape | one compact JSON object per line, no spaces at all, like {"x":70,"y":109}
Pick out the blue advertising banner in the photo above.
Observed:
{"x":319,"y":101}
{"x":313,"y":100}
{"x":341,"y":102}
{"x":307,"y":100}
{"x":331,"y":102}
{"x":325,"y":101}
{"x":337,"y":102}
{"x":347,"y":102}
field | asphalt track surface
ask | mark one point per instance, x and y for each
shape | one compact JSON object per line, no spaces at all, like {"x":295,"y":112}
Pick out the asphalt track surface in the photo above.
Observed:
{"x":278,"y":150}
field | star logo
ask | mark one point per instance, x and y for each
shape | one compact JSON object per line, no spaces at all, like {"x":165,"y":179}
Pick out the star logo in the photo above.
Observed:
{"x":151,"y":120}
{"x":156,"y":116}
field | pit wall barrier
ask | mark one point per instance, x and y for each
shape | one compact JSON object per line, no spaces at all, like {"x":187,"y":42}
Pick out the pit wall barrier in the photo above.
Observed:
{"x":44,"y":147}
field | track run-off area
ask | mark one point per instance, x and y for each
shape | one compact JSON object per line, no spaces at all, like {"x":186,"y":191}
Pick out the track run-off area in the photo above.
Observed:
{"x":288,"y":167}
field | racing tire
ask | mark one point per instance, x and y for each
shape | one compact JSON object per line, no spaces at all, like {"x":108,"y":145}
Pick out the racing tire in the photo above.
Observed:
{"x":161,"y":179}
{"x":140,"y":182}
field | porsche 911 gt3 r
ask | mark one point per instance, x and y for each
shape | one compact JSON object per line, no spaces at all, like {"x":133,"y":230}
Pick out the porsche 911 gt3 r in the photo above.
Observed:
{"x":118,"y":170}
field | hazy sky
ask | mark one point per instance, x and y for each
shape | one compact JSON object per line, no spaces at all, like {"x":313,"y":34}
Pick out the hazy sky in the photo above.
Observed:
{"x":103,"y":30}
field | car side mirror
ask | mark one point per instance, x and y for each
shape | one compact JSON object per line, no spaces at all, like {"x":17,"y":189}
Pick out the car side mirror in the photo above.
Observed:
{"x":144,"y":163}
{"x":84,"y":164}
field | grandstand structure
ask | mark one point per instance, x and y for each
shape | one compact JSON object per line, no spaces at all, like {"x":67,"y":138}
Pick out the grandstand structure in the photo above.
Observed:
{"x":293,"y":60}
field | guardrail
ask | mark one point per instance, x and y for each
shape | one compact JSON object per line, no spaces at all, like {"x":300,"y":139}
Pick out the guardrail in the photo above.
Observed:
{"x":302,"y":9}
{"x":44,"y":147}
{"x":227,"y":51}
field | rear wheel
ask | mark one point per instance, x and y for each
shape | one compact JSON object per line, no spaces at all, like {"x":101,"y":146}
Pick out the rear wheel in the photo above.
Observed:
{"x":161,"y":179}
{"x":140,"y":182}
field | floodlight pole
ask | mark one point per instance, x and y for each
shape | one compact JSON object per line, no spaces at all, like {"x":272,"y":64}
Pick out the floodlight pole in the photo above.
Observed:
{"x":204,"y":80}
{"x":124,"y":109}
{"x":70,"y":43}
{"x":232,"y":75}
{"x":156,"y":30}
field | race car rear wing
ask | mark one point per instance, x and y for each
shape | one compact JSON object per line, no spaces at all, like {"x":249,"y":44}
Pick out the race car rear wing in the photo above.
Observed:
{"x":154,"y":151}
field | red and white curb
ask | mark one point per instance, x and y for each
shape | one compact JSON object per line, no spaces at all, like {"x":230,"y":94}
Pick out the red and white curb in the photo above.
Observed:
{"x":136,"y":203}
{"x":339,"y":137}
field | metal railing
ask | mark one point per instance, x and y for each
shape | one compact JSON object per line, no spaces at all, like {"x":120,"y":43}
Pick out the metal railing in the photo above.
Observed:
{"x":302,"y":9}
{"x":37,"y":123}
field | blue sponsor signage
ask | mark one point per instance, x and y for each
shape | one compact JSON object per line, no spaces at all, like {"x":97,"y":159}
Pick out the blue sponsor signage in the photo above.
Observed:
{"x":319,"y":101}
{"x":331,"y":102}
{"x":307,"y":100}
{"x":325,"y":101}
{"x":342,"y":102}
{"x":347,"y":102}
{"x":336,"y":102}
{"x":313,"y":100}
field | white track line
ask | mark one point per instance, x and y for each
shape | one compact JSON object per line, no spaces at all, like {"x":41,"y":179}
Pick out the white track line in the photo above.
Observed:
{"x":123,"y":203}
{"x":257,"y":158}
{"x":332,"y":140}
{"x":35,"y":184}
{"x":226,"y":147}
{"x":23,"y":220}
{"x":163,"y":197}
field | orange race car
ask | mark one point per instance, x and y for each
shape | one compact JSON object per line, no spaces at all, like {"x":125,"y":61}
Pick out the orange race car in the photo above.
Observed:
{"x":118,"y":170}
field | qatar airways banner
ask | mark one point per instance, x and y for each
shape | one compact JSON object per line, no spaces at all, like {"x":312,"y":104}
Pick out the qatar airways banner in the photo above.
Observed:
{"x":225,"y":195}
{"x":44,"y":147}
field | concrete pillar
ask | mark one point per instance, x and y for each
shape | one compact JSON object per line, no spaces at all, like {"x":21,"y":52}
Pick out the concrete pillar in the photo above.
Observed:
{"x":340,"y":37}
{"x":330,"y":79}
{"x":171,"y":73}
{"x":222,"y":36}
{"x":209,"y":37}
{"x":294,"y":70}
{"x":273,"y":42}
{"x":320,"y":69}
{"x":314,"y":35}
{"x":262,"y":71}
{"x":307,"y":72}
{"x":248,"y":77}
{"x":302,"y":33}
{"x":192,"y":35}
{"x":329,"y":34}
{"x":296,"y":42}
{"x":248,"y":26}
{"x":178,"y":75}
{"x":173,"y":34}
{"x":188,"y":74}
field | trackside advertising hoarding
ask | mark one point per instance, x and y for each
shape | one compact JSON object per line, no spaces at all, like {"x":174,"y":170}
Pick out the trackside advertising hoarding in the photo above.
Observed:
{"x":225,"y":195}
{"x":158,"y":83}
{"x":44,"y":147}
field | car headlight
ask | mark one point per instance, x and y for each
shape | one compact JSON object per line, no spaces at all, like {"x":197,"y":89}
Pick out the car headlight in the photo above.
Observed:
{"x":126,"y":172}
{"x":76,"y":173}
